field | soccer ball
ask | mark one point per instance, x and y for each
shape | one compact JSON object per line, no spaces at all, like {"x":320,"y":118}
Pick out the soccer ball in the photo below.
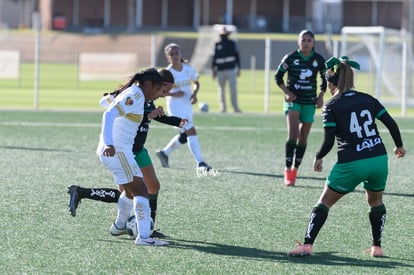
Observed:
{"x":203,"y":107}
{"x":131,"y":227}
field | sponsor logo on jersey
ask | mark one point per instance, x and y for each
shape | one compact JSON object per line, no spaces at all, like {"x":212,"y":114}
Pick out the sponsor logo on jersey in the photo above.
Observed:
{"x":129,"y":101}
{"x":304,"y":73}
{"x":368,"y":144}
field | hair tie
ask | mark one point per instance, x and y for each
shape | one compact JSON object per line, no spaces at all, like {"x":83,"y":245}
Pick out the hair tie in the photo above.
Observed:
{"x":333,"y":63}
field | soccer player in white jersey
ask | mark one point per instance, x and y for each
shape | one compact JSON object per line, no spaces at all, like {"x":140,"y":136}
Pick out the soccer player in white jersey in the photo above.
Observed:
{"x":119,"y":127}
{"x":179,"y":103}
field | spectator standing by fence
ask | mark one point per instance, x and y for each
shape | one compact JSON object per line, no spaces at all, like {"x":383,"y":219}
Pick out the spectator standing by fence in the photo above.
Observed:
{"x":226,"y":68}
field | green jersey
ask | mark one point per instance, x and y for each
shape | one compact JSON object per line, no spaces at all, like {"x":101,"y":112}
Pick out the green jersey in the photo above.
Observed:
{"x":302,"y":75}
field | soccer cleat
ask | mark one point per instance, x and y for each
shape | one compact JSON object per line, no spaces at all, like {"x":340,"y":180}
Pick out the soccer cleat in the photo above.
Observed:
{"x":204,"y":166}
{"x":163,"y":158}
{"x":74,"y":199}
{"x":301,"y":251}
{"x":150,"y":241}
{"x":290,"y":176}
{"x":115,"y":231}
{"x":375,"y":251}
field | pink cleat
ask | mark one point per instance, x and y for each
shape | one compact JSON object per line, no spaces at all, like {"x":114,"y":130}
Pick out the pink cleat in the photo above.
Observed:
{"x":375,"y":251}
{"x":301,"y":251}
{"x":290,"y":176}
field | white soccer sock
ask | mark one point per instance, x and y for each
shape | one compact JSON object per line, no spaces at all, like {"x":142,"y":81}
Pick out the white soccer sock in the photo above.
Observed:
{"x":125,"y":206}
{"x":194,"y":147}
{"x":173,"y":145}
{"x":142,"y":215}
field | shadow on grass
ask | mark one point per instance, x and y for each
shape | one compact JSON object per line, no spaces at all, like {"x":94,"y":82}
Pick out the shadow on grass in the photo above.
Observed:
{"x":331,"y":259}
{"x":227,"y":250}
{"x":322,"y":258}
{"x":322,"y":179}
{"x":35,"y":149}
{"x":268,"y":175}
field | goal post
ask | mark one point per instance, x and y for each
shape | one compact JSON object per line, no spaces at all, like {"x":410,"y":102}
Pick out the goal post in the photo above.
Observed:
{"x":386,"y":59}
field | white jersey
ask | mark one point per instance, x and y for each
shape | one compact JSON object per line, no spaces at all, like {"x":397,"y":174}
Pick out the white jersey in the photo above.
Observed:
{"x":106,"y":100}
{"x":181,"y":106}
{"x":121,"y":120}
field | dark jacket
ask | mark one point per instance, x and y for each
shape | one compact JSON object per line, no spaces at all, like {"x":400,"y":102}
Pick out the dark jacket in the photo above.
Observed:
{"x":226,"y":55}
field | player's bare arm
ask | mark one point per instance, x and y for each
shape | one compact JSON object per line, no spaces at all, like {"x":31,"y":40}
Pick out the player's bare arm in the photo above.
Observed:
{"x":289,"y":96}
{"x":158,"y":112}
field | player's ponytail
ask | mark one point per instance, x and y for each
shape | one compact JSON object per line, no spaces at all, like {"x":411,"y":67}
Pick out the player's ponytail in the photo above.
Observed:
{"x":340,"y":73}
{"x":151,"y":74}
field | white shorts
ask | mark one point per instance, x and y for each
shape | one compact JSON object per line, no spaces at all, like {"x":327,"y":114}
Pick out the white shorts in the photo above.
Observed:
{"x":186,"y":126}
{"x":122,"y":166}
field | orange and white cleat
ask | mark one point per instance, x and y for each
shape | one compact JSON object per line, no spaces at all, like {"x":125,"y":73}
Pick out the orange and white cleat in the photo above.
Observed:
{"x":375,"y":251}
{"x":301,"y":251}
{"x":290,"y":176}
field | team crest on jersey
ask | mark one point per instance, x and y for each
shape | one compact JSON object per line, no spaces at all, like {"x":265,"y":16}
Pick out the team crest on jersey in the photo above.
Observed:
{"x":129,"y":101}
{"x":315,"y":63}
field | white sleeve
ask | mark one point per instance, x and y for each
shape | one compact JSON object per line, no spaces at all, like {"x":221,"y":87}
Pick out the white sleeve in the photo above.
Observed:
{"x":108,"y":125}
{"x":106,"y":101}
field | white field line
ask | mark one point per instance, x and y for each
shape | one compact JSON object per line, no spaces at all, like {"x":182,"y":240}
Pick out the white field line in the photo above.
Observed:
{"x":160,"y":126}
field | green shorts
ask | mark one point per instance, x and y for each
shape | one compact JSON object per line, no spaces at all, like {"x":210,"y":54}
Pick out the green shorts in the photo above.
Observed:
{"x":307,"y":112}
{"x":371,"y":172}
{"x":142,"y":158}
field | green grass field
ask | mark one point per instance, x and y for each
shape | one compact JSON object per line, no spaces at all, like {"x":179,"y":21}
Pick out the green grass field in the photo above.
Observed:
{"x":59,"y":89}
{"x":242,"y":221}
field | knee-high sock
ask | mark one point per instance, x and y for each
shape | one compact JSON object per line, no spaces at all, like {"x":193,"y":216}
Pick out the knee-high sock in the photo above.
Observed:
{"x":142,"y":214}
{"x":299,"y":153}
{"x":194,"y":147}
{"x":377,"y":219}
{"x":317,"y":218}
{"x":153,"y":199}
{"x":108,"y":195}
{"x":125,"y":206}
{"x":173,"y":145}
{"x":290,"y":148}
